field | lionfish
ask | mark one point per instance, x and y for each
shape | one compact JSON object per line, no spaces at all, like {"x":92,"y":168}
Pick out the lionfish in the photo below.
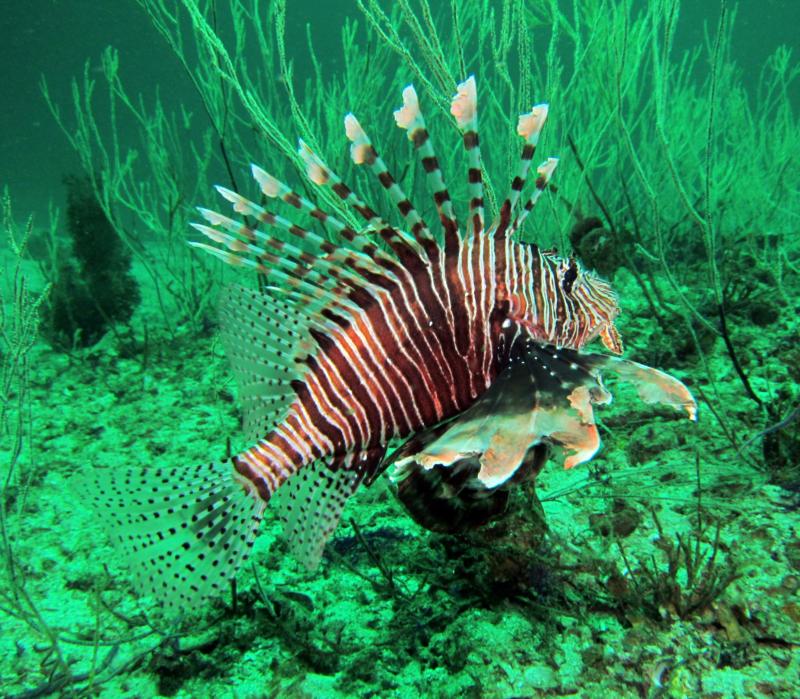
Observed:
{"x":464,"y":339}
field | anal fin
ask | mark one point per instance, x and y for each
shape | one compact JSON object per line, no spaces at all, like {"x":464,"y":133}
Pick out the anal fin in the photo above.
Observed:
{"x":311,"y":501}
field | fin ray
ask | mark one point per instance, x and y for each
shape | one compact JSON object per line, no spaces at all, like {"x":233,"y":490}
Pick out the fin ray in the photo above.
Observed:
{"x":409,"y":117}
{"x":262,"y":337}
{"x":311,"y":502}
{"x":362,"y":151}
{"x":529,"y":127}
{"x":464,"y":107}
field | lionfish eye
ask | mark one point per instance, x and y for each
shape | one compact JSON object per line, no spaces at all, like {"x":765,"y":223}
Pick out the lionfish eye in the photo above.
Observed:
{"x":570,"y":276}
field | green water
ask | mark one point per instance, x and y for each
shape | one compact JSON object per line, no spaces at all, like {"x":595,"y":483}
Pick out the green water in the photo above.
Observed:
{"x":667,"y":566}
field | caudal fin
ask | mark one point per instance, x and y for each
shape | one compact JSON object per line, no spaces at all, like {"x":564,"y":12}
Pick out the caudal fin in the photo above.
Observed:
{"x":185,"y":531}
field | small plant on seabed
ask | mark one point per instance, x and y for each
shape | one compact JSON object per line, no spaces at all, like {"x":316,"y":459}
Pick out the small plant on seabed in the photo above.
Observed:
{"x":54,"y":654}
{"x":688,"y":579}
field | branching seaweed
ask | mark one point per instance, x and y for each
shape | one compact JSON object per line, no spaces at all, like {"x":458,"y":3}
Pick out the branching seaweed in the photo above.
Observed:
{"x":686,"y":582}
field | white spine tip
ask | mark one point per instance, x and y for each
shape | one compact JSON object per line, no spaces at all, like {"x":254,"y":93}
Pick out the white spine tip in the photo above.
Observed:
{"x":352,"y":128}
{"x":209,"y":232}
{"x":240,"y":204}
{"x":226,"y":193}
{"x":269,"y":185}
{"x":360,"y":147}
{"x":212,"y":217}
{"x":358,"y":152}
{"x":315,"y":170}
{"x":465,"y":102}
{"x":547,"y":167}
{"x":408,"y":114}
{"x":530,"y":125}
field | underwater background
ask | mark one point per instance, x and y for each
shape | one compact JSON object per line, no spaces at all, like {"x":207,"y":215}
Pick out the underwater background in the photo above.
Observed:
{"x":668,"y":566}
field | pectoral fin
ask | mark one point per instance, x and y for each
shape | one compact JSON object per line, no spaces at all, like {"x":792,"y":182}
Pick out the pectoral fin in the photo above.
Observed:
{"x":543,"y":398}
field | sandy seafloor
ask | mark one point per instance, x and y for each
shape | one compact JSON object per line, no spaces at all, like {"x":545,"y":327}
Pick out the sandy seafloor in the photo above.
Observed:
{"x":509,"y":614}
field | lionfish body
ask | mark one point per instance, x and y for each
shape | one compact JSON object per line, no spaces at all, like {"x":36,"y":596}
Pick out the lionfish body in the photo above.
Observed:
{"x":355,"y":343}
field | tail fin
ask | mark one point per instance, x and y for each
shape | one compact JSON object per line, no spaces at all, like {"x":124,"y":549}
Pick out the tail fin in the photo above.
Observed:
{"x":186,"y":531}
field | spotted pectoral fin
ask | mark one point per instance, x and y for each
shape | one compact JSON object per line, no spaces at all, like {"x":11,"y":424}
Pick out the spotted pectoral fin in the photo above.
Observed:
{"x":568,"y":422}
{"x":457,"y":474}
{"x":654,"y":386}
{"x":580,"y":377}
{"x":543,"y":398}
{"x":436,"y":472}
{"x":494,"y":432}
{"x":498,"y":446}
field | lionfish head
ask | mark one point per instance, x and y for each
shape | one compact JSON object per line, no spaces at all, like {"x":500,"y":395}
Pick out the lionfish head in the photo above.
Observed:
{"x":567,"y":305}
